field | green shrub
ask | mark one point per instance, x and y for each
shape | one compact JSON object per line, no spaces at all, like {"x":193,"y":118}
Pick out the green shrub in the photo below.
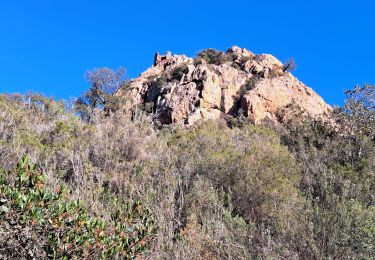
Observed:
{"x":179,"y":72}
{"x":65,"y":228}
{"x":159,"y":82}
{"x":211,"y":231}
{"x":251,"y":166}
{"x":276,"y":71}
{"x":216,"y":192}
{"x":212,"y":56}
{"x":358,"y":230}
{"x":236,"y":65}
{"x":249,"y":85}
{"x":337,"y":177}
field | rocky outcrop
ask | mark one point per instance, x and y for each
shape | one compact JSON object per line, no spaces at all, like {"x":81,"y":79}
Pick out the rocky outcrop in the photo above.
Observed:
{"x":179,"y":89}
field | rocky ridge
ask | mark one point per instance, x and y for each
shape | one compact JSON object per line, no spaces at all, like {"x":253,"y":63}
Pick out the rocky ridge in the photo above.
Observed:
{"x":179,"y":89}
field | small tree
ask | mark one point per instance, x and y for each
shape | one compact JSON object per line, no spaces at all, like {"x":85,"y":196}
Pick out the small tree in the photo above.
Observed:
{"x":359,"y":110}
{"x":289,"y":65}
{"x":104,"y":82}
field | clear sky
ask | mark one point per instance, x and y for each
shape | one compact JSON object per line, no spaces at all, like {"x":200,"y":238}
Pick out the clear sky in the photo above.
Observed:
{"x":46,"y":46}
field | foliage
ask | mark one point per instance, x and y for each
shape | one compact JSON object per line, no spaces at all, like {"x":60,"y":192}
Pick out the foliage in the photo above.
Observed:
{"x":276,"y":71}
{"x":289,"y":65}
{"x":238,"y":63}
{"x":301,"y":190}
{"x":212,"y":56}
{"x":358,"y":113}
{"x":179,"y":72}
{"x":338,"y":177}
{"x":65,"y":227}
{"x":103,"y":84}
{"x":159,"y":82}
{"x":247,"y":164}
{"x":249,"y":85}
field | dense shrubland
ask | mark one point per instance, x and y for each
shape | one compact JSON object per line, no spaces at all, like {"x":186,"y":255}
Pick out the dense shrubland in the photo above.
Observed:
{"x":217,"y":190}
{"x":40,"y":223}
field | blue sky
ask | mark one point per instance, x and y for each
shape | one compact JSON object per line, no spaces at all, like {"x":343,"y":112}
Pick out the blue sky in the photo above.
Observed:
{"x":46,"y":46}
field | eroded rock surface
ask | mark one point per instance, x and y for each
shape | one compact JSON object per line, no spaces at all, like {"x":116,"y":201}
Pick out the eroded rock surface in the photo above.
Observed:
{"x":179,"y":89}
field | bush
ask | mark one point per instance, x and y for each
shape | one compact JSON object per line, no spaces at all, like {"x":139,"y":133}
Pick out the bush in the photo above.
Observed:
{"x":179,"y":72}
{"x":211,"y":231}
{"x":337,"y":178}
{"x":63,"y":228}
{"x":212,"y":56}
{"x":249,"y":165}
{"x":239,"y":63}
{"x":249,"y":85}
{"x":215,"y":192}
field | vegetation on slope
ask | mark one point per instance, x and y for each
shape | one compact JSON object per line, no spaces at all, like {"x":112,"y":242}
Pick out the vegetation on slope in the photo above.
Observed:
{"x":216,"y":190}
{"x":40,"y":223}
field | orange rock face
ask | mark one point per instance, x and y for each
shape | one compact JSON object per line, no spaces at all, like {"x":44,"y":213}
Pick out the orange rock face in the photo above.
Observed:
{"x":182,"y":91}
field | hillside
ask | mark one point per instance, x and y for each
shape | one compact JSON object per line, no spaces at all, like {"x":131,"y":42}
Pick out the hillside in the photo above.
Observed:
{"x":224,"y":156}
